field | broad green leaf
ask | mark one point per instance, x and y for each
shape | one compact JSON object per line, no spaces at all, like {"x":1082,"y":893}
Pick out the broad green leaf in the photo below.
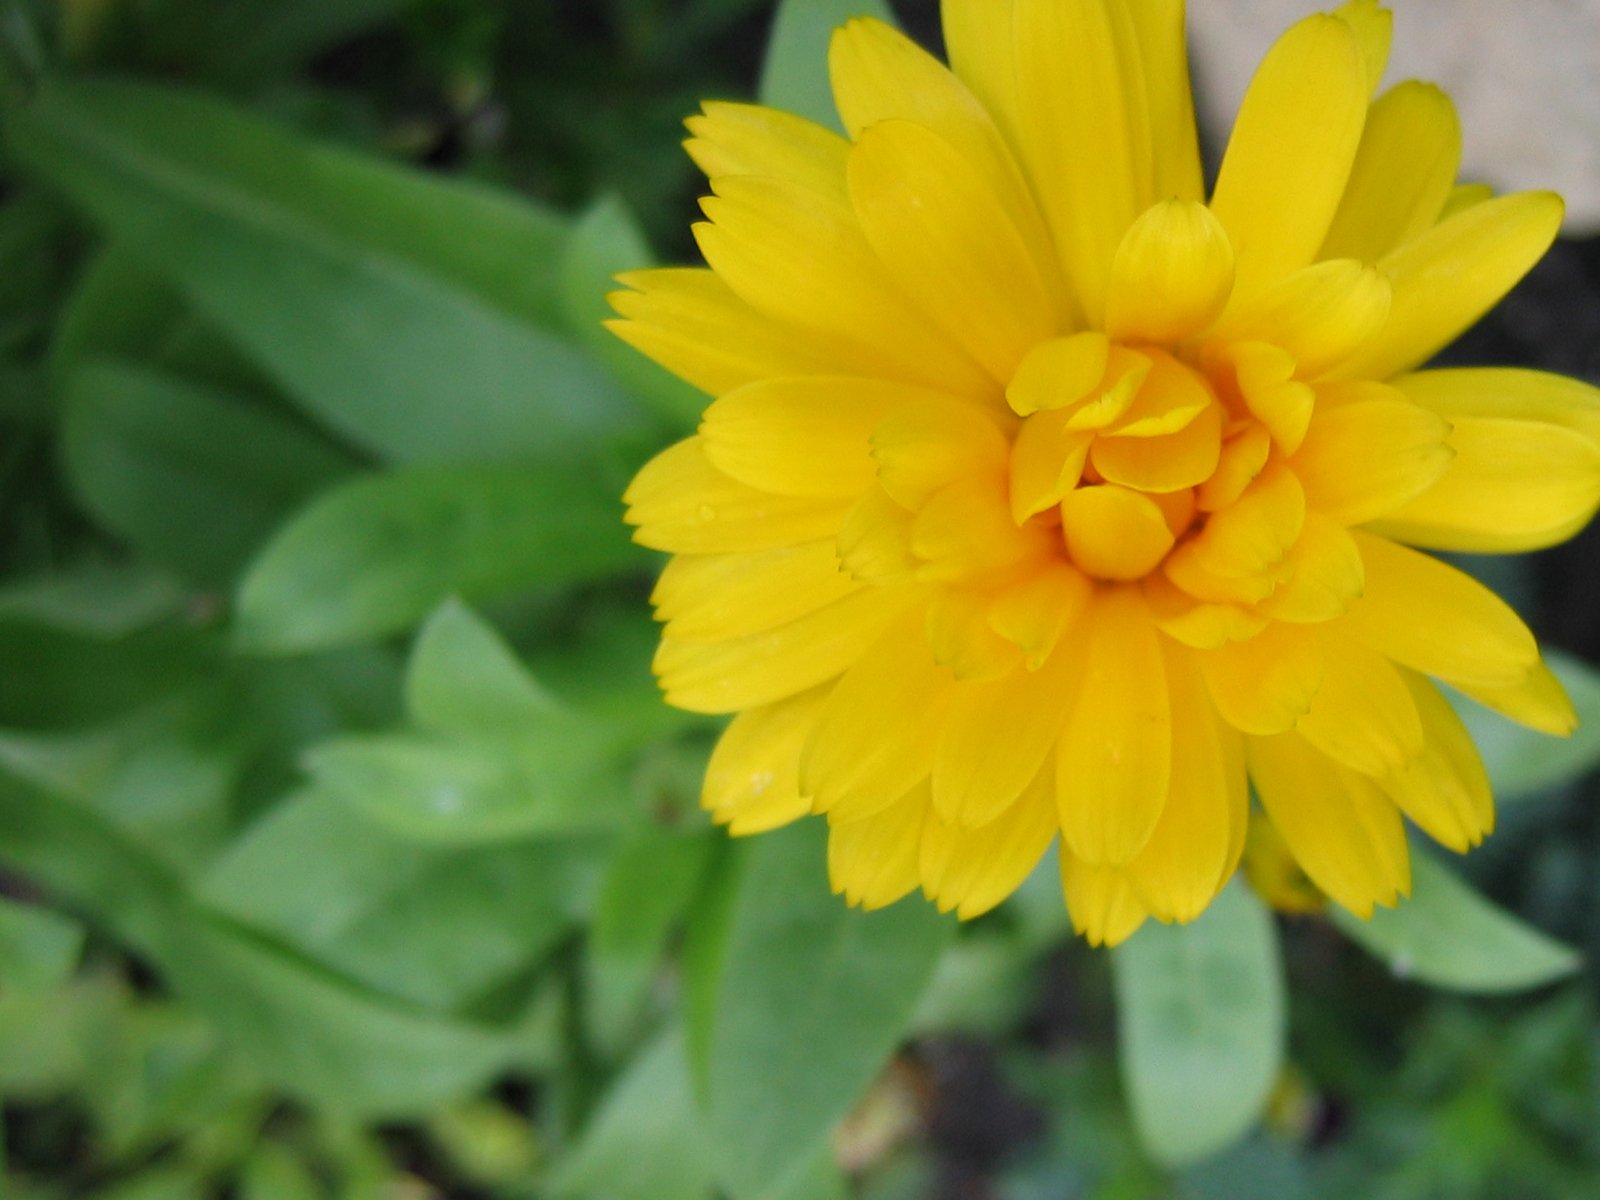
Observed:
{"x":195,"y":478}
{"x":93,"y":599}
{"x":563,"y":777}
{"x":395,"y":307}
{"x":646,"y":1141}
{"x":38,"y":947}
{"x":55,"y":677}
{"x":314,"y":1034}
{"x":1201,"y":1015}
{"x":811,"y":1001}
{"x":1521,"y":761}
{"x":464,"y":679}
{"x":377,"y":555}
{"x":437,"y":927}
{"x":237,"y":43}
{"x":605,"y":241}
{"x":795,"y":75}
{"x":274,"y":1172}
{"x":1449,"y":936}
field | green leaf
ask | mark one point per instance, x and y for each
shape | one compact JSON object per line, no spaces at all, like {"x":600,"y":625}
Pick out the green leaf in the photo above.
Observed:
{"x":396,"y":307}
{"x":812,"y":998}
{"x":646,"y":1140}
{"x":195,"y":478}
{"x":274,"y":1172}
{"x":464,"y":679}
{"x":310,"y":1032}
{"x":1522,"y":761}
{"x":1201,"y":1013}
{"x":93,"y":599}
{"x":437,"y":927}
{"x":795,"y":75}
{"x":38,"y":948}
{"x":1449,"y":936}
{"x":562,"y":779}
{"x":376,"y":555}
{"x":605,"y":241}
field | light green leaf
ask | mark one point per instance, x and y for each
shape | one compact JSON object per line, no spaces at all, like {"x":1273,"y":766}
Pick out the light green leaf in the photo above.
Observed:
{"x":274,"y":1172}
{"x":38,"y":947}
{"x":195,"y":478}
{"x":436,"y":926}
{"x":811,"y":999}
{"x":646,"y":1140}
{"x":795,"y":75}
{"x":377,"y":555}
{"x":464,"y":679}
{"x":396,"y":307}
{"x":1521,"y":761}
{"x":308,"y":1031}
{"x":562,"y":778}
{"x":1201,"y":1014}
{"x":1449,"y":936}
{"x":605,"y":241}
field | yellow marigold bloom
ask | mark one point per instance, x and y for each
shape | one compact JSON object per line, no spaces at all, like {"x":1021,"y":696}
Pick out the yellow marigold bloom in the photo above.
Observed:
{"x":1043,"y":497}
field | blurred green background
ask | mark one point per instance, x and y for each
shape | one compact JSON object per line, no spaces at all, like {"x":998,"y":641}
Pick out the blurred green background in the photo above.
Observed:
{"x":346,"y":850}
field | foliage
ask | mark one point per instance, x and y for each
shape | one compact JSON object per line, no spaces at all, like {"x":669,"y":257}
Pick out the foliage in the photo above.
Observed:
{"x":345,"y":847}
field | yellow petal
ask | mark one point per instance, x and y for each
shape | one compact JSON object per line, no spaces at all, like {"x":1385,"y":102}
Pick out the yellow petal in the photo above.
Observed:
{"x":802,"y":260}
{"x":1320,"y":579}
{"x":872,"y":862}
{"x":1404,"y":171}
{"x":1374,"y":28}
{"x":1321,"y":314}
{"x":691,"y":323}
{"x":1438,"y":620}
{"x":1059,"y":372}
{"x":803,"y":437}
{"x":1195,"y":624}
{"x":875,"y":541}
{"x":751,"y":139}
{"x":1244,"y":456}
{"x":1509,"y":393}
{"x":1246,"y":541}
{"x":1363,"y":460}
{"x":1114,"y":533}
{"x":965,"y":534}
{"x":719,"y":677}
{"x":1445,"y":789}
{"x":1100,"y":900}
{"x":1265,"y":377}
{"x":1116,"y":752}
{"x":1083,"y":102}
{"x":1168,"y":463}
{"x":926,"y":447}
{"x":1463,"y":196}
{"x":1538,"y":701}
{"x":1289,"y":158}
{"x":1363,"y":715}
{"x":1451,"y":275}
{"x":973,"y":870}
{"x":1196,"y":843}
{"x":1035,"y":611}
{"x":879,"y":727}
{"x":1266,"y":684}
{"x":1343,"y":831}
{"x":752,"y":782}
{"x":962,"y":639}
{"x":949,"y":243}
{"x":1172,"y":274}
{"x":710,"y":597}
{"x":1174,"y":141}
{"x":682,"y":504}
{"x":997,"y":738}
{"x":1274,"y":874}
{"x":980,"y":36}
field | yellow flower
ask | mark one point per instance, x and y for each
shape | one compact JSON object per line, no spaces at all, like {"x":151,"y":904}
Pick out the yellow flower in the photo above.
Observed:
{"x":1043,"y":497}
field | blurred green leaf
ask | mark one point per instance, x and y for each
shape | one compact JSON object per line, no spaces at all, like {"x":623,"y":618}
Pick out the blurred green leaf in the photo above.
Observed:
{"x":194,"y":478}
{"x":795,"y":76}
{"x":1449,"y":936}
{"x":1521,"y":761}
{"x":605,"y":241}
{"x":1201,"y":1017}
{"x":377,"y":555}
{"x":647,"y":1140}
{"x":274,"y":1172}
{"x":464,"y":679}
{"x":561,"y":779}
{"x":313,"y":1034}
{"x":437,"y":927}
{"x":396,"y":307}
{"x":92,"y":598}
{"x":983,"y":986}
{"x":38,"y":947}
{"x":811,"y":998}
{"x":54,"y":676}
